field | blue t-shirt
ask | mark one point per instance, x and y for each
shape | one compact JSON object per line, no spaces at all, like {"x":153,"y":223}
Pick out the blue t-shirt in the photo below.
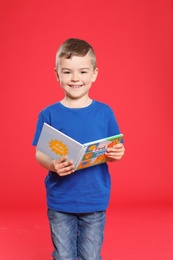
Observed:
{"x":86,"y":190}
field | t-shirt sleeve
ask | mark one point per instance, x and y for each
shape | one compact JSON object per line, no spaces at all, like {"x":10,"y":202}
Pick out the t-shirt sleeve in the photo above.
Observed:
{"x":39,"y":126}
{"x":113,"y":127}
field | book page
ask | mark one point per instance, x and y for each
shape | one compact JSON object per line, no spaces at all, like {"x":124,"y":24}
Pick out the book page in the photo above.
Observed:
{"x":95,"y":151}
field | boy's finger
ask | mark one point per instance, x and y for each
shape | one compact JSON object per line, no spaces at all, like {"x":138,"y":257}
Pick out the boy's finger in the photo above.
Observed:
{"x":61,"y":159}
{"x":118,"y":145}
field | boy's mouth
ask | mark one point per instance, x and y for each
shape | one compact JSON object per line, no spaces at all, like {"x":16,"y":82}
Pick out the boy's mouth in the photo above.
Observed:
{"x":75,"y":86}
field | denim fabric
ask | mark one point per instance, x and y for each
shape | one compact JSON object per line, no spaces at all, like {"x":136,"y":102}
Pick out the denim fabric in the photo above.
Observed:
{"x":77,"y":236}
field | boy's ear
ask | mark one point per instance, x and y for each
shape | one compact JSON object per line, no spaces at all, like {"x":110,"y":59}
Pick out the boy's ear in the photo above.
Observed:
{"x":56,"y":74}
{"x":95,"y":75}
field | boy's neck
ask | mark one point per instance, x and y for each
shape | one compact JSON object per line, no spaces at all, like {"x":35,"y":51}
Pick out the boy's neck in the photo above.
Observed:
{"x":75,"y":103}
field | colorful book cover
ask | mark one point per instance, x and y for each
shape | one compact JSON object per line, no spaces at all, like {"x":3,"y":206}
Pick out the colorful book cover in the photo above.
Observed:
{"x":55,"y":144}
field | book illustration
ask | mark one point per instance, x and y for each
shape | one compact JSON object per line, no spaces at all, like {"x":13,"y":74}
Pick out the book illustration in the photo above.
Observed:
{"x":58,"y":147}
{"x":95,"y":153}
{"x":55,"y":144}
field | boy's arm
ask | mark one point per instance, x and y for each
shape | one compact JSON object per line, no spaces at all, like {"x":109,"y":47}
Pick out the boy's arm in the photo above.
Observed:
{"x":115,"y":153}
{"x":59,"y":166}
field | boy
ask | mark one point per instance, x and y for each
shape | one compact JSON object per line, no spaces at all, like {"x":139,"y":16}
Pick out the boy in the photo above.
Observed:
{"x":77,"y":201}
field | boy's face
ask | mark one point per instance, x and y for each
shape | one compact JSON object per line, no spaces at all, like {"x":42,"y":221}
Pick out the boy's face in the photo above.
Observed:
{"x":76,"y":75}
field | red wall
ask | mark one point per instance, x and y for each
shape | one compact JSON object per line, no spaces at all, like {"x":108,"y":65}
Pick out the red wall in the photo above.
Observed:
{"x":134,"y":45}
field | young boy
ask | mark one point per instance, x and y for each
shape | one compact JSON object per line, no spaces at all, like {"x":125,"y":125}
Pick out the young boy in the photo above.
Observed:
{"x":77,"y":201}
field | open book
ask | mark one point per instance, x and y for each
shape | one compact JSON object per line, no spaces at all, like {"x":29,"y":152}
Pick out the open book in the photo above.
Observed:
{"x":55,"y":144}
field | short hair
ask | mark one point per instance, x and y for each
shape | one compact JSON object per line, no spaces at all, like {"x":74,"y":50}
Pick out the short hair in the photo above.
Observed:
{"x":75,"y":47}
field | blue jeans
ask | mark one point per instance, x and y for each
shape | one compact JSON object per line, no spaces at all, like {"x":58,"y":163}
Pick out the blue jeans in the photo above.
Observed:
{"x":77,"y":235}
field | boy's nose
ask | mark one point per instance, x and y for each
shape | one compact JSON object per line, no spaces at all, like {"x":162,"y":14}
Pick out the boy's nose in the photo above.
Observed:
{"x":74,"y":77}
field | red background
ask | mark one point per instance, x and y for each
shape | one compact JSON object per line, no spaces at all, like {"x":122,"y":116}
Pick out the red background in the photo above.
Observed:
{"x":134,"y":45}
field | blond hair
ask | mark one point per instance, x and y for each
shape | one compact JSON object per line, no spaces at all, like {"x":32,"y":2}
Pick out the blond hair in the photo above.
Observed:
{"x":75,"y":47}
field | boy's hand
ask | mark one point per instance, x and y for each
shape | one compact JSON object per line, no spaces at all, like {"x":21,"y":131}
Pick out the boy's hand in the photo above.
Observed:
{"x":115,"y":153}
{"x":62,"y":167}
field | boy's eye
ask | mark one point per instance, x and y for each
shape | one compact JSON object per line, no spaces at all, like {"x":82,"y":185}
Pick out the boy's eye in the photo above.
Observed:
{"x":83,"y":71}
{"x":66,"y":72}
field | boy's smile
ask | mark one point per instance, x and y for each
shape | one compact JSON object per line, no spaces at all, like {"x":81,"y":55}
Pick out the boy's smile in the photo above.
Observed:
{"x":76,"y":76}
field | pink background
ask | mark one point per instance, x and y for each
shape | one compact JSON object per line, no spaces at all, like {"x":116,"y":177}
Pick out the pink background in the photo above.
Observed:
{"x":134,"y":45}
